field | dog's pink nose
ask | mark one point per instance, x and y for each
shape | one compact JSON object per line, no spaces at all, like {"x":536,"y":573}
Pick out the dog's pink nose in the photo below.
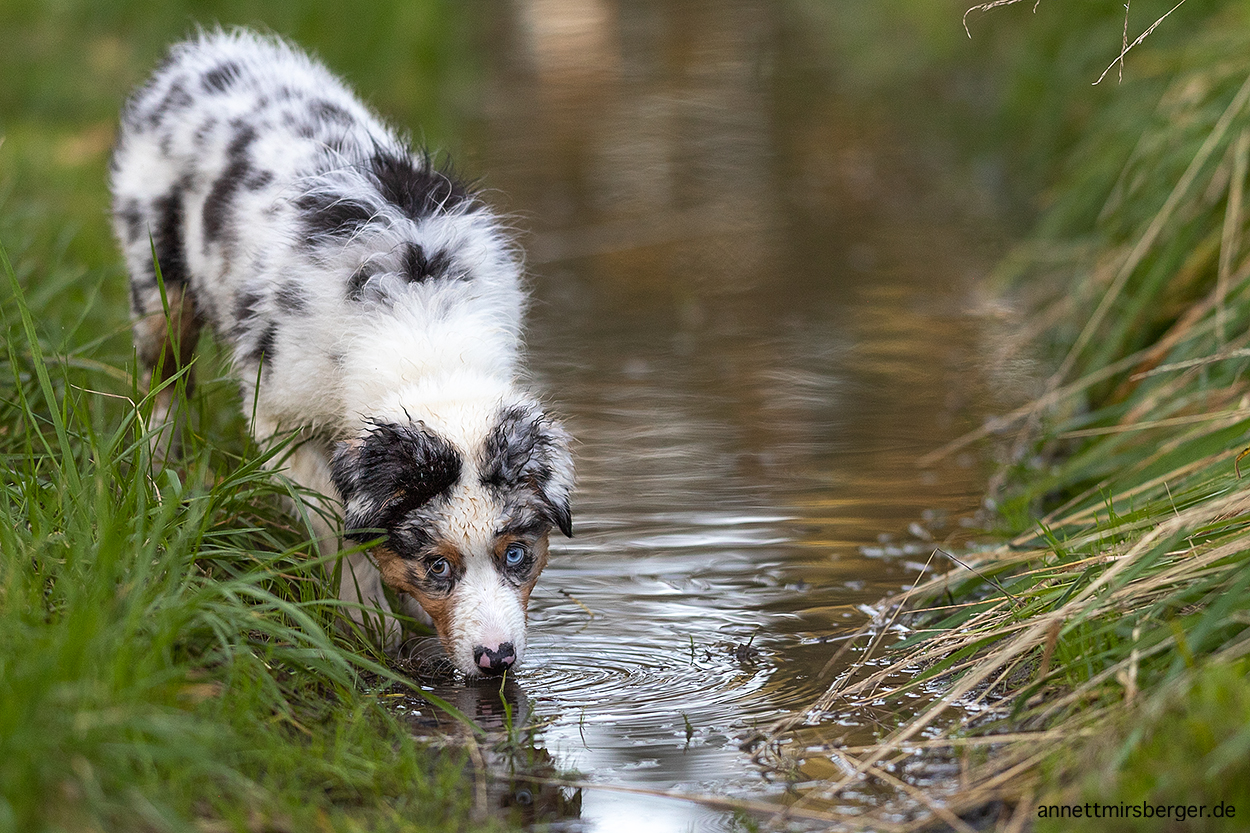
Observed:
{"x":494,"y":661}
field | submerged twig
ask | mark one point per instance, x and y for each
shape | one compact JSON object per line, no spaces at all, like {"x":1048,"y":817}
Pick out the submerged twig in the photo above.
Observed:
{"x":566,"y":594}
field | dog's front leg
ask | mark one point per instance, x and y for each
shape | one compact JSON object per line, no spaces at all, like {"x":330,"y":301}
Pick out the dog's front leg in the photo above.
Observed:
{"x":360,"y":583}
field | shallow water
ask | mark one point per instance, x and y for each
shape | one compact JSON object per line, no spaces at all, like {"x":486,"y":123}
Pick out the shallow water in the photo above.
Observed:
{"x":753,"y":303}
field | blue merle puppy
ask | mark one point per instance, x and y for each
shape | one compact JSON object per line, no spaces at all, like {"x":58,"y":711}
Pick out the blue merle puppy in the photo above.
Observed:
{"x":372,"y":304}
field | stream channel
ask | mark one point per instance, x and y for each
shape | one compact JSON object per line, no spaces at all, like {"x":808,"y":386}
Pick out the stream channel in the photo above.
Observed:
{"x":755,"y":305}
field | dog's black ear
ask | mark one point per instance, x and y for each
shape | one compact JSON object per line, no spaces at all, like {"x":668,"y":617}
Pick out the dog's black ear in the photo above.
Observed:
{"x":388,"y":472}
{"x":529,"y":450}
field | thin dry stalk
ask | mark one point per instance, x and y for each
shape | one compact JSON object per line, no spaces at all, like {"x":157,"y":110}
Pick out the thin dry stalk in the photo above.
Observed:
{"x":1123,"y":45}
{"x":940,"y":647}
{"x":1230,"y":238}
{"x":1144,"y":358}
{"x":992,"y":686}
{"x":1191,"y":324}
{"x":1129,"y":680}
{"x":985,"y":7}
{"x":1024,"y":810}
{"x":1027,"y":331}
{"x":991,"y":783}
{"x":1120,"y":58}
{"x":1222,"y":356}
{"x":1115,"y":200}
{"x":1220,"y":420}
{"x":918,"y":795}
{"x":1187,"y":568}
{"x":1234,"y":650}
{"x":1189,"y":565}
{"x":1026,"y":738}
{"x":1052,"y":639}
{"x":856,"y":695}
{"x":1001,"y":643}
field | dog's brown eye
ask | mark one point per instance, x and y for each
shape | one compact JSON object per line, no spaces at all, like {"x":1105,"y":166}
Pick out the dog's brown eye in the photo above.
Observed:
{"x":440,"y":568}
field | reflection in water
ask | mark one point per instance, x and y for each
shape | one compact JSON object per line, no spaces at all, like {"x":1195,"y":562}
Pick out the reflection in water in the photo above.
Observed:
{"x":751,"y":304}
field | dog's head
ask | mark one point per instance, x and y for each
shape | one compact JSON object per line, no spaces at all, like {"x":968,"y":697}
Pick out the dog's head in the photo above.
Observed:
{"x":466,"y":517}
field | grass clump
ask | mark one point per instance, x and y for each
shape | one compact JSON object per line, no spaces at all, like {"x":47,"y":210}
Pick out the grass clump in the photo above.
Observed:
{"x":1099,"y":654}
{"x":168,"y":659}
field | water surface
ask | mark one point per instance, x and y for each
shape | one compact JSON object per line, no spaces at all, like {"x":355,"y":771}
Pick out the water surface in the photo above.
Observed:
{"x":753,"y":304}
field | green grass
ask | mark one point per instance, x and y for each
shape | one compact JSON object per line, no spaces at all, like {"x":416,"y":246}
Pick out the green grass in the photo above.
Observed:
{"x":1134,"y":475}
{"x":1108,"y":634}
{"x":168,"y":653}
{"x":1186,"y":747}
{"x":1123,"y":601}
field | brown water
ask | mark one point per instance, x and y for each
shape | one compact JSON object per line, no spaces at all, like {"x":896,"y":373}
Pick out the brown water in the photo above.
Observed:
{"x":753,"y":302}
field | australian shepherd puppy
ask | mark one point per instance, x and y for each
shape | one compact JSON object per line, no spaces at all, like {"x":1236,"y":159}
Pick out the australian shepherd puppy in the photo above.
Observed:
{"x":372,"y":305}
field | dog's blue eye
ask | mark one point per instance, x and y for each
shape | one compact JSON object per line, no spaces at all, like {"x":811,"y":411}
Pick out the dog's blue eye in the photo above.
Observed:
{"x":514,"y":555}
{"x":440,"y":568}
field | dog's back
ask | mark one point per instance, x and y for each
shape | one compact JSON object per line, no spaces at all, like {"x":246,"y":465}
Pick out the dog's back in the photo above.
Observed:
{"x":293,"y":222}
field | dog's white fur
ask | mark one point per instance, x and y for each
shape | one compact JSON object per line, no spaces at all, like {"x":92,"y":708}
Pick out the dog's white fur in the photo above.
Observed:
{"x":358,"y":288}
